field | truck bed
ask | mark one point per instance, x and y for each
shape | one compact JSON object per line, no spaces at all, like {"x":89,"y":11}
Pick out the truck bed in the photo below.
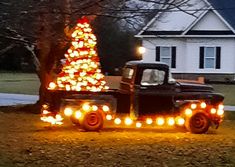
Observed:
{"x":55,"y":98}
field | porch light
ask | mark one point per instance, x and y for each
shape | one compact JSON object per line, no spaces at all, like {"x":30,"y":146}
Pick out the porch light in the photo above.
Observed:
{"x":141,"y":50}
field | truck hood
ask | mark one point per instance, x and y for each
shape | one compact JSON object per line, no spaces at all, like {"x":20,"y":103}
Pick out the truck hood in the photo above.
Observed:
{"x":194,"y":87}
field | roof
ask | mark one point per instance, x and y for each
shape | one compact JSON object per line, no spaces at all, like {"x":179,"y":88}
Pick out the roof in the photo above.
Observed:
{"x":170,"y":23}
{"x":226,"y":8}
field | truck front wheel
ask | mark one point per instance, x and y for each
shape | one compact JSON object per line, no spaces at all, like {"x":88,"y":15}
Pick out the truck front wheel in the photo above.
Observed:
{"x":92,"y":121}
{"x":198,"y":123}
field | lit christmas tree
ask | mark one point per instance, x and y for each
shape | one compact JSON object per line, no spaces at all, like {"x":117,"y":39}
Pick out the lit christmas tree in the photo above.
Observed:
{"x":81,"y":71}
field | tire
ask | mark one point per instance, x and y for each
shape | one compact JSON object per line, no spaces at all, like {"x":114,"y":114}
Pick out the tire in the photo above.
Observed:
{"x":92,"y":121}
{"x":198,"y":123}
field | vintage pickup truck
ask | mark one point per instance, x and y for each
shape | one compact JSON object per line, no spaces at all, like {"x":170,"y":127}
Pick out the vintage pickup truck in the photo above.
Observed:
{"x":148,"y":97}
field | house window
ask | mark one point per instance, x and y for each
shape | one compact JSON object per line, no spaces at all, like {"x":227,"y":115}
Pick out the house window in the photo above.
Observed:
{"x":210,"y":57}
{"x":167,"y":55}
{"x":152,"y":77}
{"x":209,"y":61}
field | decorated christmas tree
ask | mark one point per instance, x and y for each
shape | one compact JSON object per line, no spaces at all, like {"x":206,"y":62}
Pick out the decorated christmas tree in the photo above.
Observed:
{"x":81,"y":70}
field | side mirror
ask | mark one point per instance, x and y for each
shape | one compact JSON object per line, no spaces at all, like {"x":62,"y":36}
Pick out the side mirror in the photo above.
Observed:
{"x":171,"y":81}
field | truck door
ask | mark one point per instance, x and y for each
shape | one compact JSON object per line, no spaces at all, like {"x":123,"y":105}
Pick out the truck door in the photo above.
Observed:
{"x":154,"y":95}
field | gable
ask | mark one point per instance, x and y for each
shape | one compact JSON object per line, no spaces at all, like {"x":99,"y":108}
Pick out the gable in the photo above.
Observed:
{"x":200,"y":18}
{"x":227,"y":9}
{"x":210,"y":21}
{"x":175,"y":21}
{"x":172,"y":21}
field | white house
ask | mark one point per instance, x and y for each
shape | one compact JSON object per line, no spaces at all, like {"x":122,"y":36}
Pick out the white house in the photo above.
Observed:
{"x":199,"y":41}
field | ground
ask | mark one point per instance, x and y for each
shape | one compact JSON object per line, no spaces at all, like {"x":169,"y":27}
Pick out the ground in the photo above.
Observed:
{"x":26,"y":141}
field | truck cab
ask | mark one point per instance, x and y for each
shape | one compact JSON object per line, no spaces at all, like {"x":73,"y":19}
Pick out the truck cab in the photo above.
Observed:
{"x":151,"y":87}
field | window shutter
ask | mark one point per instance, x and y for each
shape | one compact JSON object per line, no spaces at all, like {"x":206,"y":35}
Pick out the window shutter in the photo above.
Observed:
{"x":218,"y":57}
{"x":157,"y":53}
{"x":201,"y":59}
{"x":173,"y":57}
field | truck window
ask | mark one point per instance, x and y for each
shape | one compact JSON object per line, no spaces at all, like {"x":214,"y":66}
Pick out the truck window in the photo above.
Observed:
{"x":128,"y":73}
{"x":152,"y":77}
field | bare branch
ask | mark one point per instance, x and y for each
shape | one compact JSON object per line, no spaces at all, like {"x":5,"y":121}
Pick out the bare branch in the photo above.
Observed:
{"x":35,"y":59}
{"x":6,"y":49}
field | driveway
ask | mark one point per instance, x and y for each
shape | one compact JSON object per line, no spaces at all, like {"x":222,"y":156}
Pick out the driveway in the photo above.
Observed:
{"x":15,"y":99}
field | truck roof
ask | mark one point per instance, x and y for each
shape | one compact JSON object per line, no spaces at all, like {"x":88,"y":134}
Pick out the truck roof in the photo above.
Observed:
{"x":141,"y":63}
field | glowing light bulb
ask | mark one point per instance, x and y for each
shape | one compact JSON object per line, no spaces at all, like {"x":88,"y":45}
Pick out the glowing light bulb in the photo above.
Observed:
{"x":141,"y":50}
{"x":213,"y":111}
{"x":105,"y":108}
{"x":220,"y":112}
{"x":188,"y":112}
{"x":68,"y":112}
{"x":78,"y":114}
{"x":109,"y":117}
{"x":138,"y":124}
{"x":180,"y":121}
{"x":171,"y":121}
{"x":86,"y":107}
{"x":128,"y":121}
{"x":160,"y":121}
{"x":193,"y":106}
{"x":221,"y":107}
{"x":70,"y":51}
{"x":58,"y":117}
{"x":45,"y":112}
{"x":94,"y":108}
{"x":52,"y":85}
{"x":149,"y":121}
{"x":117,"y":121}
{"x":67,"y":87}
{"x":203,"y":105}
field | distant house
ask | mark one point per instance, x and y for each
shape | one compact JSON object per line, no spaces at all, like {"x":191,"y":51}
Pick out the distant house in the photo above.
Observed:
{"x":198,"y":44}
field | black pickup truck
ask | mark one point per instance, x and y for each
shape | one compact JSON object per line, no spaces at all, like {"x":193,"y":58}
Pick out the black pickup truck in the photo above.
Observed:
{"x":148,"y":96}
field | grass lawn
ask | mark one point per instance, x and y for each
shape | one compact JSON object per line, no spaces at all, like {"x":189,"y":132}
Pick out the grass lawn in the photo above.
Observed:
{"x":228,"y":91}
{"x":28,"y":83}
{"x":22,"y":83}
